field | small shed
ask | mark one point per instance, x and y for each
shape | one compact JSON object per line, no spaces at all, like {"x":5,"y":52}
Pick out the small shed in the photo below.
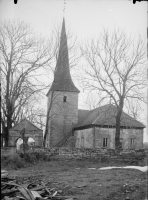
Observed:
{"x":31,"y":131}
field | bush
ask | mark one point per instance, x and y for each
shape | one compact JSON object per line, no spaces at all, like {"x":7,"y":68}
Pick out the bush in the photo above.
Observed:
{"x":30,"y":157}
{"x":33,"y":157}
{"x":16,"y":161}
{"x":13,"y":162}
{"x":41,"y":155}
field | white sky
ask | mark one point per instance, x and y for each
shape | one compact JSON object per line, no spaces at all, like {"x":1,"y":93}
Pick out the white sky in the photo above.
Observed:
{"x":85,"y":18}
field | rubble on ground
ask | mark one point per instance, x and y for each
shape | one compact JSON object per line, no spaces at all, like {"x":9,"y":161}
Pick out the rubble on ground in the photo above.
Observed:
{"x":14,"y":188}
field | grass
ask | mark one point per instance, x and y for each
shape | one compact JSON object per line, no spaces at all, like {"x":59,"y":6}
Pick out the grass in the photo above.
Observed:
{"x":85,"y":183}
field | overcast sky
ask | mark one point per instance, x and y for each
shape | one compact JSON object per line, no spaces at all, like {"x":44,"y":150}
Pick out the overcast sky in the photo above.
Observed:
{"x":86,"y":18}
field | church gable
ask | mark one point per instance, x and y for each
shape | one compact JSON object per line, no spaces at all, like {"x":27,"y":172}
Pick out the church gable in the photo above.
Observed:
{"x":25,"y":124}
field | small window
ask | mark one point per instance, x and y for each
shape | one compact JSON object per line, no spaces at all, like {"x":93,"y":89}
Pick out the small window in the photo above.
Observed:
{"x":132,"y":142}
{"x":121,"y":142}
{"x":78,"y":143}
{"x":82,"y":141}
{"x":105,"y":142}
{"x":64,"y":98}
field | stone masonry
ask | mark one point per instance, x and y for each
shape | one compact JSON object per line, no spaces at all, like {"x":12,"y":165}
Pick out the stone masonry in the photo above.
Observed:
{"x":62,"y":105}
{"x":63,"y":116}
{"x":93,"y":138}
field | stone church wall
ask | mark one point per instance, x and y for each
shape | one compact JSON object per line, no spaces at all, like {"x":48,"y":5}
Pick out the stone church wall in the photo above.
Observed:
{"x":101,"y":133}
{"x":93,"y":138}
{"x":128,"y":134}
{"x":84,"y":138}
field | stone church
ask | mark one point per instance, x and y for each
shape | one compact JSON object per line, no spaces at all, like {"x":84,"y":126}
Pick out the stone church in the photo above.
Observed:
{"x":69,"y":126}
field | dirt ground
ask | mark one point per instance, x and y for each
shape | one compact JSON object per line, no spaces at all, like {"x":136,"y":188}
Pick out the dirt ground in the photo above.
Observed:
{"x":84,"y":181}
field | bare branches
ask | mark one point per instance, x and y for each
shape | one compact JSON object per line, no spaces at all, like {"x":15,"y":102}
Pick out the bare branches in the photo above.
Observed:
{"x":133,"y":108}
{"x":114,"y":63}
{"x":115,"y":66}
{"x":22,"y":55}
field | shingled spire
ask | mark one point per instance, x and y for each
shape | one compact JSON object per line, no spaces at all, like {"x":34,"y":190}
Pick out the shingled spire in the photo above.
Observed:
{"x":62,"y":78}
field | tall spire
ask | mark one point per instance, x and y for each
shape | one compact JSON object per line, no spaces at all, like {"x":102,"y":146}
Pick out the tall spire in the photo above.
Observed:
{"x":62,"y":78}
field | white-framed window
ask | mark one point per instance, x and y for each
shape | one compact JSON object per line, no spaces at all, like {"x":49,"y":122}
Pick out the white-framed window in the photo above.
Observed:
{"x":105,"y":142}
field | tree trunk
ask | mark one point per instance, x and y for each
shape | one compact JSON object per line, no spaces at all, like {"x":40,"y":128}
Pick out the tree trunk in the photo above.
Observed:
{"x":48,"y":117}
{"x":3,"y":133}
{"x":46,"y":130}
{"x":6,"y":136}
{"x":118,"y":122}
{"x":9,"y":125}
{"x":117,"y":135}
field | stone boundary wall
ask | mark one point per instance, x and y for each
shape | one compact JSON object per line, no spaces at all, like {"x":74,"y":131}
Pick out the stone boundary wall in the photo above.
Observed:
{"x":101,"y":154}
{"x":99,"y":151}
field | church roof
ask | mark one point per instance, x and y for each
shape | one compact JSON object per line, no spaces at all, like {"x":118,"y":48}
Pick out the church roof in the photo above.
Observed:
{"x":105,"y":116}
{"x":82,"y":113}
{"x":62,"y":78}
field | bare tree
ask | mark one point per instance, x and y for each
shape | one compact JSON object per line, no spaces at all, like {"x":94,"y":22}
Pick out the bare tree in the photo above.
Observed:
{"x":34,"y":112}
{"x":22,"y":55}
{"x":115,"y":67}
{"x":134,"y":108}
{"x":92,"y":102}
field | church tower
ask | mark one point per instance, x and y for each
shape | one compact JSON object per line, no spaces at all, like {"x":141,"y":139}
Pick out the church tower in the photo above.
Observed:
{"x":62,"y":104}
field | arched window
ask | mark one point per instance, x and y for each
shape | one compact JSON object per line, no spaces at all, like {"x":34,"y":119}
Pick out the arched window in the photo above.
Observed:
{"x":19,"y":141}
{"x":31,"y":141}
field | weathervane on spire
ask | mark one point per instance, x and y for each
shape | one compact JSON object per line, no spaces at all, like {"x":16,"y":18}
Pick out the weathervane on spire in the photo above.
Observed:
{"x":64,"y":6}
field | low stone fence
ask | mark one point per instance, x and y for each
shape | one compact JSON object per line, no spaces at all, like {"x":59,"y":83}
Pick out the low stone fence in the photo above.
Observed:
{"x":101,"y":154}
